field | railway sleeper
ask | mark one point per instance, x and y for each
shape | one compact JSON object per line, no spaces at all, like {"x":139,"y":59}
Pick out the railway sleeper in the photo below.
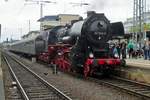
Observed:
{"x":39,"y":93}
{"x":45,"y":96}
{"x":36,"y":91}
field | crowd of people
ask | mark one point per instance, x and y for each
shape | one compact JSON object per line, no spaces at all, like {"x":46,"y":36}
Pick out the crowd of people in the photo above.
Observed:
{"x":132,"y":50}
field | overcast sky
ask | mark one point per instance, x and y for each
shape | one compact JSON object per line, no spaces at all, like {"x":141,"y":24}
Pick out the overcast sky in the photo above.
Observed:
{"x":15,"y":14}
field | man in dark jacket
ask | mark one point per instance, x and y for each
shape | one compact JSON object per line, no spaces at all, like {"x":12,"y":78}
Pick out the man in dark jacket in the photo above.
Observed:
{"x":146,"y":49}
{"x":149,"y":51}
{"x":123,"y":50}
{"x":118,"y":50}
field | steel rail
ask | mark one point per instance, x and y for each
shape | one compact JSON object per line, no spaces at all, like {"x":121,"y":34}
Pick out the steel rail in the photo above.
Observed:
{"x":24,"y":94}
{"x":127,"y":80}
{"x":129,"y":90}
{"x":42,"y":80}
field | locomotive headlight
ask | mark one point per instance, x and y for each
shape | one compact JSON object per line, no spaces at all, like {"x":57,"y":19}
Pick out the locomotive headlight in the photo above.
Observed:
{"x":91,"y":55}
{"x":116,"y":55}
{"x":59,"y":53}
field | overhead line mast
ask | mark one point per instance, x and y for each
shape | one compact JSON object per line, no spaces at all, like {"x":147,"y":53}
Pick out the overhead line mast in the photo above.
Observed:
{"x":139,"y":13}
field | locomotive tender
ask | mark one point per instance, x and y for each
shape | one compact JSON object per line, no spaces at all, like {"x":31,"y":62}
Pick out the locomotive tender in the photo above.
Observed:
{"x":83,"y":47}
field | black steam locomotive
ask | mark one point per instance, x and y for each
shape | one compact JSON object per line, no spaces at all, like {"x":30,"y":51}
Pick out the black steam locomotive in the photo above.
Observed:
{"x":89,"y":50}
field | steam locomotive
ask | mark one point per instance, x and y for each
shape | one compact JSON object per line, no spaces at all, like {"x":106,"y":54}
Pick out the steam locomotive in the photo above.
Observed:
{"x":82,"y":47}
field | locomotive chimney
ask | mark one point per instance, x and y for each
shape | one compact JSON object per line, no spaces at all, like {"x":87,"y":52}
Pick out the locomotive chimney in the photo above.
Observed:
{"x":89,"y":13}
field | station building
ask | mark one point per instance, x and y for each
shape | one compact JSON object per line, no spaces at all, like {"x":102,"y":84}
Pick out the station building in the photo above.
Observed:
{"x":55,"y":20}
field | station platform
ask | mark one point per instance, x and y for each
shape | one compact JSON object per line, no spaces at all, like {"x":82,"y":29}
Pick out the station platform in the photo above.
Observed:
{"x":140,"y":62}
{"x":2,"y":96}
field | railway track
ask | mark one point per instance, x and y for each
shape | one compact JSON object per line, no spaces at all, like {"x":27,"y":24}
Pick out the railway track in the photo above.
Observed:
{"x":32,"y":86}
{"x":131,"y":87}
{"x":11,"y":90}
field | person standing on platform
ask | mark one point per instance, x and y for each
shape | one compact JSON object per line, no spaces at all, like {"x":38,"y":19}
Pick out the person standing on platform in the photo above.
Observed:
{"x":146,"y":50}
{"x":123,"y":50}
{"x":118,"y":50}
{"x":130,"y":49}
{"x":114,"y":50}
{"x":149,"y":51}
